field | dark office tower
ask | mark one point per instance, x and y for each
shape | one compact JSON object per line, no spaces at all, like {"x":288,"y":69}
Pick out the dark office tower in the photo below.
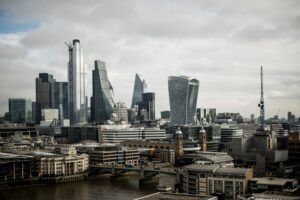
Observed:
{"x":138,"y":90}
{"x":103,"y":96}
{"x":44,"y":88}
{"x":77,"y":78}
{"x":183,"y":94}
{"x":20,"y":110}
{"x":33,"y":107}
{"x":61,"y":99}
{"x":149,"y":105}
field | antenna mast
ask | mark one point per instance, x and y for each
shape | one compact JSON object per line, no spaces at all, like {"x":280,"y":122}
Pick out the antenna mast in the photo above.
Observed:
{"x":261,"y":105}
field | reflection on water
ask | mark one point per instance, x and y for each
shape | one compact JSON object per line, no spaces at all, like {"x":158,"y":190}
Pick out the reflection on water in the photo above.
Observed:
{"x":99,"y":187}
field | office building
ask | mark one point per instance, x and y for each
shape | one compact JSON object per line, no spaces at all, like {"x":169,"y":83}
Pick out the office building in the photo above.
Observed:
{"x":183,"y":94}
{"x":228,"y":132}
{"x":225,"y":182}
{"x":44,"y":88}
{"x":114,"y":154}
{"x":138,"y":90}
{"x":120,"y":112}
{"x":20,"y":110}
{"x":75,"y":134}
{"x":165,"y":114}
{"x":61,"y":99}
{"x":206,"y":115}
{"x":175,"y":196}
{"x":102,"y":104}
{"x":148,"y":104}
{"x":77,"y":78}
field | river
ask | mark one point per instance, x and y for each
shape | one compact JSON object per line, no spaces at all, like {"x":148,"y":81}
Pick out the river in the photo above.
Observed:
{"x":97,"y":187}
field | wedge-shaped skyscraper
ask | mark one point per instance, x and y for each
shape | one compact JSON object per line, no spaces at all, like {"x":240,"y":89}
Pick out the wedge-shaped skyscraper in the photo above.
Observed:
{"x":183,"y":94}
{"x":102,"y":102}
{"x":138,"y":90}
{"x":77,"y":76}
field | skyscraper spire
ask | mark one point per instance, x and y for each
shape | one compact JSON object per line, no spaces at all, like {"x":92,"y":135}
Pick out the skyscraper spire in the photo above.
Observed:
{"x":261,"y":105}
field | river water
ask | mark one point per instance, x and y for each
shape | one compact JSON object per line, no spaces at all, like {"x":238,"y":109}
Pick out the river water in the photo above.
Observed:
{"x":97,"y":187}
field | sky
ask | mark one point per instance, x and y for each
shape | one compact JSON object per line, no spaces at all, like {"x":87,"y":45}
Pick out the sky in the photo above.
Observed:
{"x":220,"y":43}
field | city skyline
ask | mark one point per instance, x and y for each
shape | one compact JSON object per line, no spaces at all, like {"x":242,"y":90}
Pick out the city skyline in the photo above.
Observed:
{"x":223,"y":52}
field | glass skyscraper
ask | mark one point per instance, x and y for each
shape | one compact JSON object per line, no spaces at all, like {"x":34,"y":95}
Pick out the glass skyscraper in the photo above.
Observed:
{"x":77,"y":76}
{"x":183,"y":94}
{"x":138,"y":90}
{"x":61,"y":99}
{"x":20,"y":110}
{"x":102,"y":102}
{"x":44,"y":87}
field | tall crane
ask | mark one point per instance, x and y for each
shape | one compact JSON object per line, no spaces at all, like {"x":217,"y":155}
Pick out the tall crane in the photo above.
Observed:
{"x":261,"y":104}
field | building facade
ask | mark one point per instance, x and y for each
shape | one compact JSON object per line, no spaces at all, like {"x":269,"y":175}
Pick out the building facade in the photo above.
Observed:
{"x":20,"y":110}
{"x":77,"y":78}
{"x":61,"y":99}
{"x":183,"y":94}
{"x":138,"y":90}
{"x":103,"y":97}
{"x":121,"y":113}
{"x":148,"y":104}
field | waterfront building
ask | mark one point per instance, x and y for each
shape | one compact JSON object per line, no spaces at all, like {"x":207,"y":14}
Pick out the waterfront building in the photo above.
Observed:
{"x":225,"y":182}
{"x":183,"y":94}
{"x":103,"y":97}
{"x":15,"y":168}
{"x":167,"y":155}
{"x":57,"y":165}
{"x":61,"y":99}
{"x":272,"y":184}
{"x":113,"y":154}
{"x":175,"y":196}
{"x":44,"y":88}
{"x":77,"y":79}
{"x":121,"y":113}
{"x":20,"y":110}
{"x":138,"y":90}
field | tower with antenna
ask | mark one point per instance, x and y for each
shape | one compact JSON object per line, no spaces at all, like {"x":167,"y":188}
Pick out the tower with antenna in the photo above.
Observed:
{"x":261,"y":104}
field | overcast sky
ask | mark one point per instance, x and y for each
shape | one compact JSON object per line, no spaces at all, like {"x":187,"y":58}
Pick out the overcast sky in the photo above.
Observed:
{"x":221,"y":43}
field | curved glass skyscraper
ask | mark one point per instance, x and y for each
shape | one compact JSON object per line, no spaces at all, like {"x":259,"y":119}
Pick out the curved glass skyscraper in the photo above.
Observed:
{"x":77,"y":76}
{"x":183,"y":94}
{"x":103,"y":96}
{"x":138,"y":90}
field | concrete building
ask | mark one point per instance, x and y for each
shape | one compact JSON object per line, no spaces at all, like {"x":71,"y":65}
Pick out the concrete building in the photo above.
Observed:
{"x":212,"y":179}
{"x":15,"y":168}
{"x":206,"y":115}
{"x":121,"y":113}
{"x":175,"y":196}
{"x":263,"y":184}
{"x":259,"y":150}
{"x":20,"y":110}
{"x":56,"y":165}
{"x":167,"y":155}
{"x":113,"y":154}
{"x":228,"y":132}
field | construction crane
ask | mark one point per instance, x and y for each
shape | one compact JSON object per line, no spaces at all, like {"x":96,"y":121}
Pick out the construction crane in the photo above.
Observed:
{"x":261,"y":104}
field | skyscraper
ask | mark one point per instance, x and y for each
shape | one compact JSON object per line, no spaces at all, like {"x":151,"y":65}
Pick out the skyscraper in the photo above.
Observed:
{"x":20,"y":110}
{"x":61,"y":99}
{"x":148,"y":104}
{"x":138,"y":90}
{"x":183,"y":94}
{"x":103,"y":96}
{"x":44,"y":87}
{"x":77,"y":76}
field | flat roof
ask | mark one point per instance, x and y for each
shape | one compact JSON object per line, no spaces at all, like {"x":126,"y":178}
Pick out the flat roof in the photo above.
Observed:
{"x":272,"y":181}
{"x":202,"y":168}
{"x":175,"y":196}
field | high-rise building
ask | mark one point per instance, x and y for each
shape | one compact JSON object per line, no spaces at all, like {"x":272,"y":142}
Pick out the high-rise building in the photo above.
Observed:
{"x":61,"y":99}
{"x":148,"y":104}
{"x":183,"y":94}
{"x":103,"y":96}
{"x":44,"y":88}
{"x":77,"y":76}
{"x":20,"y":110}
{"x":138,"y":90}
{"x":120,"y":110}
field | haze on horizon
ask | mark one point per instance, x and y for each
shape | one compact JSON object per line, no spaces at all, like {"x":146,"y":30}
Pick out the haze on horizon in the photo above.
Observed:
{"x":221,"y":43}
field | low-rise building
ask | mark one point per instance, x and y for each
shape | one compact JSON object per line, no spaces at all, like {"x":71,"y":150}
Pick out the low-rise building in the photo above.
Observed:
{"x":272,"y":184}
{"x":212,"y":179}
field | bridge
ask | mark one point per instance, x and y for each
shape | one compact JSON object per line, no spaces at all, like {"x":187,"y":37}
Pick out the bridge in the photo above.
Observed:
{"x":145,"y":172}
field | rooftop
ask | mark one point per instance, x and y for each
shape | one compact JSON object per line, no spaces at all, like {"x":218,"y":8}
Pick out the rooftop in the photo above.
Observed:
{"x":272,"y":181}
{"x":174,"y":196}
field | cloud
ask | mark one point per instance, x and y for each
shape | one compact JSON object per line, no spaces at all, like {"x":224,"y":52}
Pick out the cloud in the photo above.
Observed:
{"x":222,"y":44}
